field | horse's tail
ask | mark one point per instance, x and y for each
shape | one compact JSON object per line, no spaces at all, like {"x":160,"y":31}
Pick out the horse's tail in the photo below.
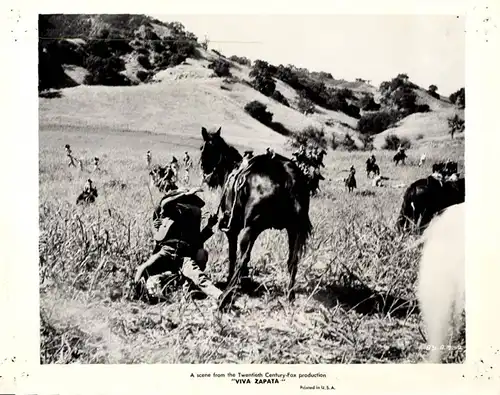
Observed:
{"x":405,"y":213}
{"x":304,"y":229}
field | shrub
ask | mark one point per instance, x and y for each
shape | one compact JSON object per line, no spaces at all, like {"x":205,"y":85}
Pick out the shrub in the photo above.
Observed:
{"x":143,"y":76}
{"x":422,"y":108}
{"x":220,"y":67}
{"x":305,"y":105}
{"x":278,"y":96}
{"x":392,"y":142}
{"x":241,"y":60}
{"x":420,"y":136}
{"x":348,"y":143}
{"x":142,"y":51}
{"x":280,"y":128}
{"x":432,"y":91}
{"x":456,"y":125}
{"x":265,"y":84}
{"x":367,"y":141}
{"x":377,"y":122}
{"x":143,"y":60}
{"x":458,"y":98}
{"x":157,"y":46}
{"x":258,"y":110}
{"x":310,"y":135}
{"x":105,"y":71}
{"x":367,"y":103}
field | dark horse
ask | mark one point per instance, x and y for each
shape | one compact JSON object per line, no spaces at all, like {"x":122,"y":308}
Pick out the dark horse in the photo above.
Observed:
{"x":271,"y":193}
{"x":426,"y":198}
{"x":399,"y":157}
{"x":372,"y":168}
{"x":350,"y":182}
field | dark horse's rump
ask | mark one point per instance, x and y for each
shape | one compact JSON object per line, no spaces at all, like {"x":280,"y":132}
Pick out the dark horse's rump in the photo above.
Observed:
{"x":427,"y":197}
{"x":269,"y":193}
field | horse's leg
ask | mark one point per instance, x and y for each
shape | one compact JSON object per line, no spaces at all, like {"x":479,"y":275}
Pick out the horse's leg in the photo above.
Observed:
{"x":249,"y":235}
{"x":232,"y":239}
{"x":293,"y":260}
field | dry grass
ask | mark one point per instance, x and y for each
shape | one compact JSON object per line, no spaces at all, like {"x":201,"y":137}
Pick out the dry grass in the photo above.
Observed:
{"x":355,"y":300}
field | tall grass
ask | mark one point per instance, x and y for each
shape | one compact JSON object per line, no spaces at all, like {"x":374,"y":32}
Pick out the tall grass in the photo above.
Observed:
{"x":355,"y":283}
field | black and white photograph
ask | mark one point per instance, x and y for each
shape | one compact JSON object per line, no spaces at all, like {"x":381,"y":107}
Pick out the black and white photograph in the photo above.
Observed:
{"x":210,"y":197}
{"x":251,"y":189}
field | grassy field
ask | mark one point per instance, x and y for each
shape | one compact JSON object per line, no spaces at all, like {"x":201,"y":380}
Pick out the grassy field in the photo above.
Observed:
{"x":355,"y":301}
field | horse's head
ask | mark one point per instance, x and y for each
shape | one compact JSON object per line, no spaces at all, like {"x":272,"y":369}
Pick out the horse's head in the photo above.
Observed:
{"x":217,"y":157}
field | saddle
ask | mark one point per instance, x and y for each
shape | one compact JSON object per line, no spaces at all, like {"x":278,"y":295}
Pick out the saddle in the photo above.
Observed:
{"x":235,"y":182}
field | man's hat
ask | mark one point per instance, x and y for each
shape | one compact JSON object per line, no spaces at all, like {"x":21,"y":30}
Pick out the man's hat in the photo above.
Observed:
{"x":180,"y":193}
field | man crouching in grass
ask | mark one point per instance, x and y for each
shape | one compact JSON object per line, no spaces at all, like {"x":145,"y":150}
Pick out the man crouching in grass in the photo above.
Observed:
{"x":178,"y":254}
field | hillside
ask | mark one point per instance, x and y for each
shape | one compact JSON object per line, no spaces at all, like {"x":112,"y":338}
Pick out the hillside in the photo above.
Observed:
{"x":139,"y":69}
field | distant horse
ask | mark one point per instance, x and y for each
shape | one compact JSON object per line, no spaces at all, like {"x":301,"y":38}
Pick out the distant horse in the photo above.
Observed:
{"x":350,"y":182}
{"x":372,"y":168}
{"x":427,"y":197}
{"x":399,"y":157}
{"x":316,"y":177}
{"x":269,"y":193}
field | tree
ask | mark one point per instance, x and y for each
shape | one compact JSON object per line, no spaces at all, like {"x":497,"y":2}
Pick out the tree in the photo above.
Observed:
{"x":456,"y":125}
{"x":305,"y":105}
{"x":433,"y":91}
{"x":458,"y":98}
{"x":258,"y":110}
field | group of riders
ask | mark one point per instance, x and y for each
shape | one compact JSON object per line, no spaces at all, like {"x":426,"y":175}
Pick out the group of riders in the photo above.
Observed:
{"x":179,"y":257}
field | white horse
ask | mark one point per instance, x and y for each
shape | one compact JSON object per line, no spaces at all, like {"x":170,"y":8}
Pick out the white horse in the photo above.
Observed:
{"x":441,"y":281}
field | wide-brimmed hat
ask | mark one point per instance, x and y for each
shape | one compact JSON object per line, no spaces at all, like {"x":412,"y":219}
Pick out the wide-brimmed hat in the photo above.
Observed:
{"x":180,"y":193}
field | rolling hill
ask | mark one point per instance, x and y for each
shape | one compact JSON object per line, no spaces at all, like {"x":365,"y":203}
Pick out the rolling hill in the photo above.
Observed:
{"x":167,"y":85}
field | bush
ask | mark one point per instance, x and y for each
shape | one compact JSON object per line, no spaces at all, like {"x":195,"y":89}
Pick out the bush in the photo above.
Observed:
{"x":157,"y":46}
{"x":367,"y":141}
{"x":220,"y":67}
{"x":458,"y":98}
{"x":377,"y":122}
{"x":143,"y":60}
{"x":348,"y":143}
{"x":392,"y":142}
{"x":432,"y":91}
{"x":309,"y":136}
{"x":241,"y":60}
{"x":143,"y":76}
{"x":265,"y":84}
{"x":367,"y":103}
{"x":280,"y":128}
{"x":142,"y":51}
{"x":456,"y":125}
{"x":258,"y":110}
{"x":278,"y":96}
{"x":422,"y":108}
{"x":305,"y":105}
{"x":105,"y":71}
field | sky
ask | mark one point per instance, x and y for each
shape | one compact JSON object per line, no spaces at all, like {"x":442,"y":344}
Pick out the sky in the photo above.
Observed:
{"x":429,"y":48}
